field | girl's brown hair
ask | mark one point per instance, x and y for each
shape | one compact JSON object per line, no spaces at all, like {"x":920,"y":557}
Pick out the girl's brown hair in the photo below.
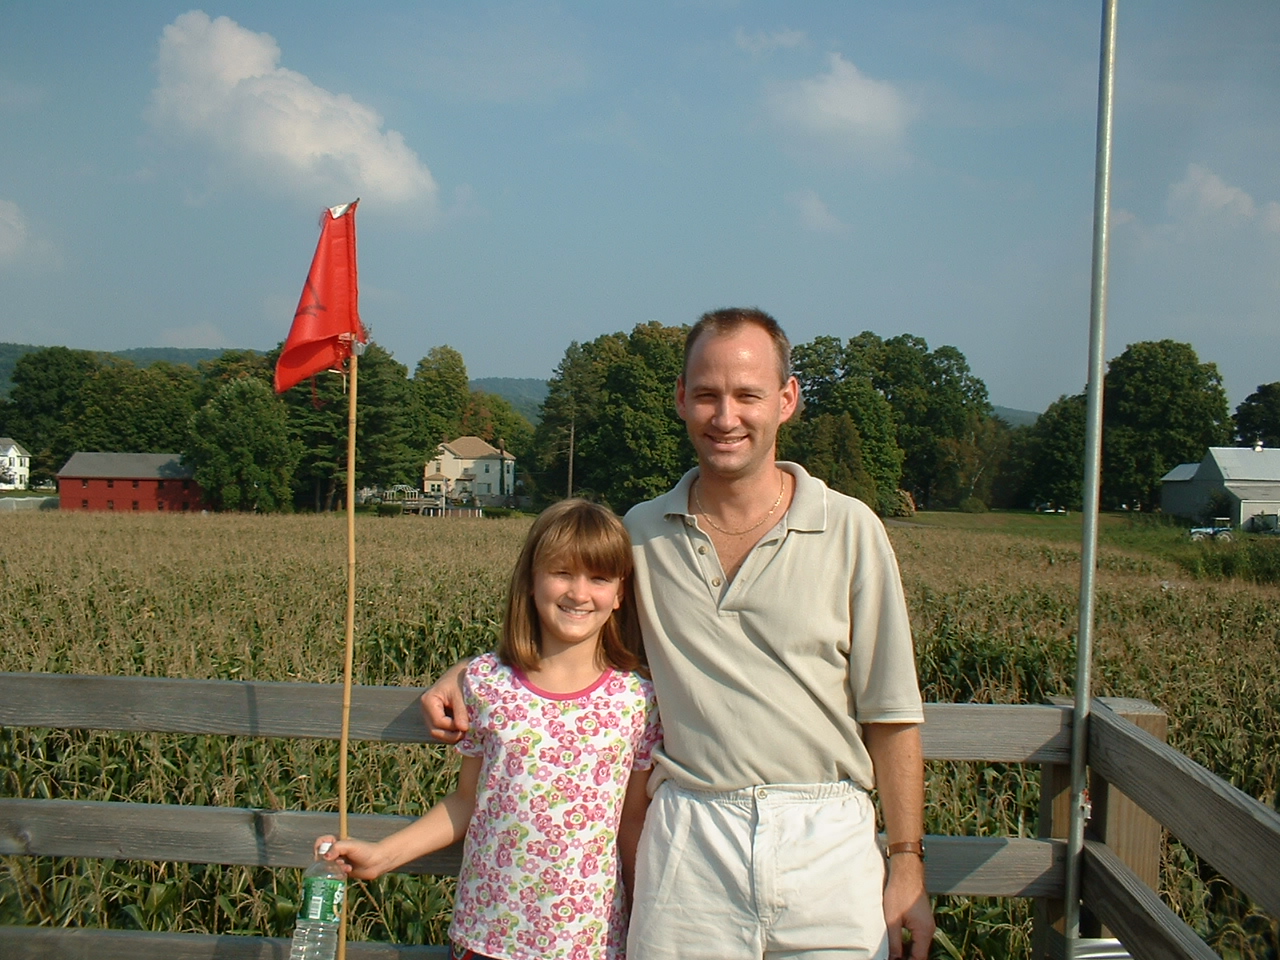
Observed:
{"x":582,"y":536}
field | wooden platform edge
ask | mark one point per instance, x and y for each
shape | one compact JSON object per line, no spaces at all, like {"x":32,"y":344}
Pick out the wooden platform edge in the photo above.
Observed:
{"x":1134,"y":912}
{"x":84,"y":943}
{"x":1230,"y":829}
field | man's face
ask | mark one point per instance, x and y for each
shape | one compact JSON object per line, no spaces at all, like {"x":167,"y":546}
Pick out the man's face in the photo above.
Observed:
{"x":732,"y":401}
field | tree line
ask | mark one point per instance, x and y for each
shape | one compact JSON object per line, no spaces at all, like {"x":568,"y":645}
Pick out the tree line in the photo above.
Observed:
{"x":250,"y":449}
{"x":890,"y":421}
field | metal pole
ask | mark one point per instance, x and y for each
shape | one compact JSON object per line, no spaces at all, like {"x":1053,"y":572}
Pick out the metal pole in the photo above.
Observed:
{"x":348,"y":660}
{"x":1092,"y":473}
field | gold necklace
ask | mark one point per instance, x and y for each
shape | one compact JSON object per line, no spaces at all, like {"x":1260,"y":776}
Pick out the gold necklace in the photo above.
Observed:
{"x":782,"y":488}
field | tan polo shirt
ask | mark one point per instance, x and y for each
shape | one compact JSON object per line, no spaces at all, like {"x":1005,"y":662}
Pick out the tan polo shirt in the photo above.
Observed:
{"x":765,"y":678}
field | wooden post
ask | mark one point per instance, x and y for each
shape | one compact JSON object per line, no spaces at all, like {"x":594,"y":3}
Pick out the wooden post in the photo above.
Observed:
{"x":1055,"y":820}
{"x":1117,"y":821}
{"x":1133,"y":834}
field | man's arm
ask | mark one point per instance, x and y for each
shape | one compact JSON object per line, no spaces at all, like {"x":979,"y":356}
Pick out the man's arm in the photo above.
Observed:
{"x":443,"y":707}
{"x":899,"y":769}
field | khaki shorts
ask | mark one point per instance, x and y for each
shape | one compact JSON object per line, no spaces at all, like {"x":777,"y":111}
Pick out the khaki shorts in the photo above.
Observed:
{"x":774,"y":871}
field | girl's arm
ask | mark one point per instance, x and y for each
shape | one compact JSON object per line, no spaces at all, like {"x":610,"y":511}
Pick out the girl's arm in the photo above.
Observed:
{"x":443,"y":824}
{"x":633,"y":810}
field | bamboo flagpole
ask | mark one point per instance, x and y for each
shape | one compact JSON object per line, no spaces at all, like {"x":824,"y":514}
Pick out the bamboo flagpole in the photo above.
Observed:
{"x":327,"y":333}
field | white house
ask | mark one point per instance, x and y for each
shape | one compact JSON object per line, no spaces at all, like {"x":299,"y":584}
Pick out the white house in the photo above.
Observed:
{"x":15,"y":465}
{"x":1249,"y":477}
{"x":468,"y":467}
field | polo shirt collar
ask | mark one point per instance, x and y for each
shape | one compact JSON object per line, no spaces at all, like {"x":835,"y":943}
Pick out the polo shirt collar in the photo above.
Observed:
{"x":808,"y":510}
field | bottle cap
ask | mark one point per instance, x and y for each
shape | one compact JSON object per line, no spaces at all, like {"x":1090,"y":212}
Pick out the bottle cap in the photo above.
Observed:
{"x":325,"y":847}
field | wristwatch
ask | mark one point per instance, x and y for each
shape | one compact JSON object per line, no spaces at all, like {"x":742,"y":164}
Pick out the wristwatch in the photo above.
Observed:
{"x":905,"y":846}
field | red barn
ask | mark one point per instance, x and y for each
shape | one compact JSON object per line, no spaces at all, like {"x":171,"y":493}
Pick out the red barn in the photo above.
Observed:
{"x":127,"y":482}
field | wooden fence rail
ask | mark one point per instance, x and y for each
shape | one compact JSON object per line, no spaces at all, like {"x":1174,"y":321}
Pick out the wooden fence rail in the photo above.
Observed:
{"x":1190,"y":800}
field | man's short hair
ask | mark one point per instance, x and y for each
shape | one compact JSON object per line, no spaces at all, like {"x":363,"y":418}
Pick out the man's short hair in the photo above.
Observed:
{"x":730,"y":320}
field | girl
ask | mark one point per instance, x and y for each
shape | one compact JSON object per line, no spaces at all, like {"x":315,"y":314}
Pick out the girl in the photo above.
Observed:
{"x":552,"y":790}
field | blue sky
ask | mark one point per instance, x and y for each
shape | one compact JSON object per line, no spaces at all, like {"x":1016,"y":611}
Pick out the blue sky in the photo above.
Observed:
{"x":535,"y":173}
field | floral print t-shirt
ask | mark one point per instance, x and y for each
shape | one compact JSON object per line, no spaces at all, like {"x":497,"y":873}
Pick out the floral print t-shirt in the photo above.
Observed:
{"x":539,"y":874}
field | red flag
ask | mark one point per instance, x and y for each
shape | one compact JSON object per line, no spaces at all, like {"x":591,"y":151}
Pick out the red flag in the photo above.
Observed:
{"x":328,"y":317}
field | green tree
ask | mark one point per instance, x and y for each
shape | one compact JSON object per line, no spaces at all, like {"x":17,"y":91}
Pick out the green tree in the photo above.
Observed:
{"x":835,"y":380}
{"x":442,"y":396}
{"x":493,"y":419}
{"x":937,"y":402}
{"x":46,"y":384}
{"x":1162,"y":407}
{"x":386,"y":451}
{"x":232,"y":365}
{"x":129,"y":409}
{"x":1054,"y":455}
{"x":830,"y":447}
{"x":574,"y":397}
{"x":240,"y":449}
{"x":611,"y":404}
{"x":1258,"y":416}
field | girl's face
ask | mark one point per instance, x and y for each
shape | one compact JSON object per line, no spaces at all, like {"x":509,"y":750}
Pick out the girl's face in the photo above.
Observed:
{"x":573,"y":605}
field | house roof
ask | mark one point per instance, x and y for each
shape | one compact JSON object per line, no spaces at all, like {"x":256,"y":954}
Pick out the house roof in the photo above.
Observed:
{"x":470,"y":448}
{"x":126,"y":466}
{"x":7,"y":442}
{"x":1266,"y":492}
{"x":1246,"y":463}
{"x":435,"y":476}
{"x":1183,"y":471}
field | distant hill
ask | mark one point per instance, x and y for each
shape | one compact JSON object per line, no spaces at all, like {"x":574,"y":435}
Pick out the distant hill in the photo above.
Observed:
{"x":525,"y":394}
{"x":141,"y":356}
{"x":1015,"y":418}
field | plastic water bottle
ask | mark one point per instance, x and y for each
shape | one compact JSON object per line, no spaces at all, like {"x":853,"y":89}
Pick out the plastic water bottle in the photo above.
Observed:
{"x":324,"y":885}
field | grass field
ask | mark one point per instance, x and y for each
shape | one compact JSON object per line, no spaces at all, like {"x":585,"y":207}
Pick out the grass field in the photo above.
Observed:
{"x":993,"y":603}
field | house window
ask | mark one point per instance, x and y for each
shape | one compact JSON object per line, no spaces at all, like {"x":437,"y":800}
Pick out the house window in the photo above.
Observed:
{"x":486,"y":468}
{"x":111,"y":504}
{"x":135,"y":484}
{"x":159,"y":504}
{"x":185,"y":506}
{"x":159,"y":484}
{"x":186,"y":484}
{"x":110,"y":484}
{"x":84,"y":504}
{"x":135,"y":504}
{"x":84,"y":482}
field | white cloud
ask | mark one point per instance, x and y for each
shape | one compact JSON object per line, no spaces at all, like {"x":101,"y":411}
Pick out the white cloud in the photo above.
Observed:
{"x":762,"y":42}
{"x":14,"y":232}
{"x":221,"y":87}
{"x":1203,"y":193}
{"x":814,"y":213}
{"x":843,"y":108}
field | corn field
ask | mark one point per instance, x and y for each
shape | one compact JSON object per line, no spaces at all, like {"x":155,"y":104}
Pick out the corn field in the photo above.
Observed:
{"x":262,"y":598}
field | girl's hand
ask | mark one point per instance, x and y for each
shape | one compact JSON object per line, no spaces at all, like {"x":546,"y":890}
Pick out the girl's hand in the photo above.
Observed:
{"x":357,"y":858}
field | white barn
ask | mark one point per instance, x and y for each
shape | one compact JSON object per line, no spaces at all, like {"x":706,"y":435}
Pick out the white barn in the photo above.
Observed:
{"x":1248,"y":476}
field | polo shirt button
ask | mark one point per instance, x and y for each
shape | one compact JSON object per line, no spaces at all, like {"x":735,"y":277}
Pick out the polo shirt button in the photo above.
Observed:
{"x":715,"y":582}
{"x":703,"y":549}
{"x":688,"y":521}
{"x":762,"y":794}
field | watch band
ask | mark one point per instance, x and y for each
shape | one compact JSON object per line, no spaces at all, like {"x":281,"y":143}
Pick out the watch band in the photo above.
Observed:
{"x":906,"y":846}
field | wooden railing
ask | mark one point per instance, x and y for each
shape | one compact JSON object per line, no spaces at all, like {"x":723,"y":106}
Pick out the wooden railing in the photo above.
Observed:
{"x":1238,"y":835}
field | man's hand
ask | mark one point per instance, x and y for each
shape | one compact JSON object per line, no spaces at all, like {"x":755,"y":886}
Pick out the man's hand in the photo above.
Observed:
{"x":907,"y":906}
{"x":443,"y":708}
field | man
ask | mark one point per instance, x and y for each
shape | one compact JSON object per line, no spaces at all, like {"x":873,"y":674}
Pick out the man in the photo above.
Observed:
{"x":777,"y":635}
